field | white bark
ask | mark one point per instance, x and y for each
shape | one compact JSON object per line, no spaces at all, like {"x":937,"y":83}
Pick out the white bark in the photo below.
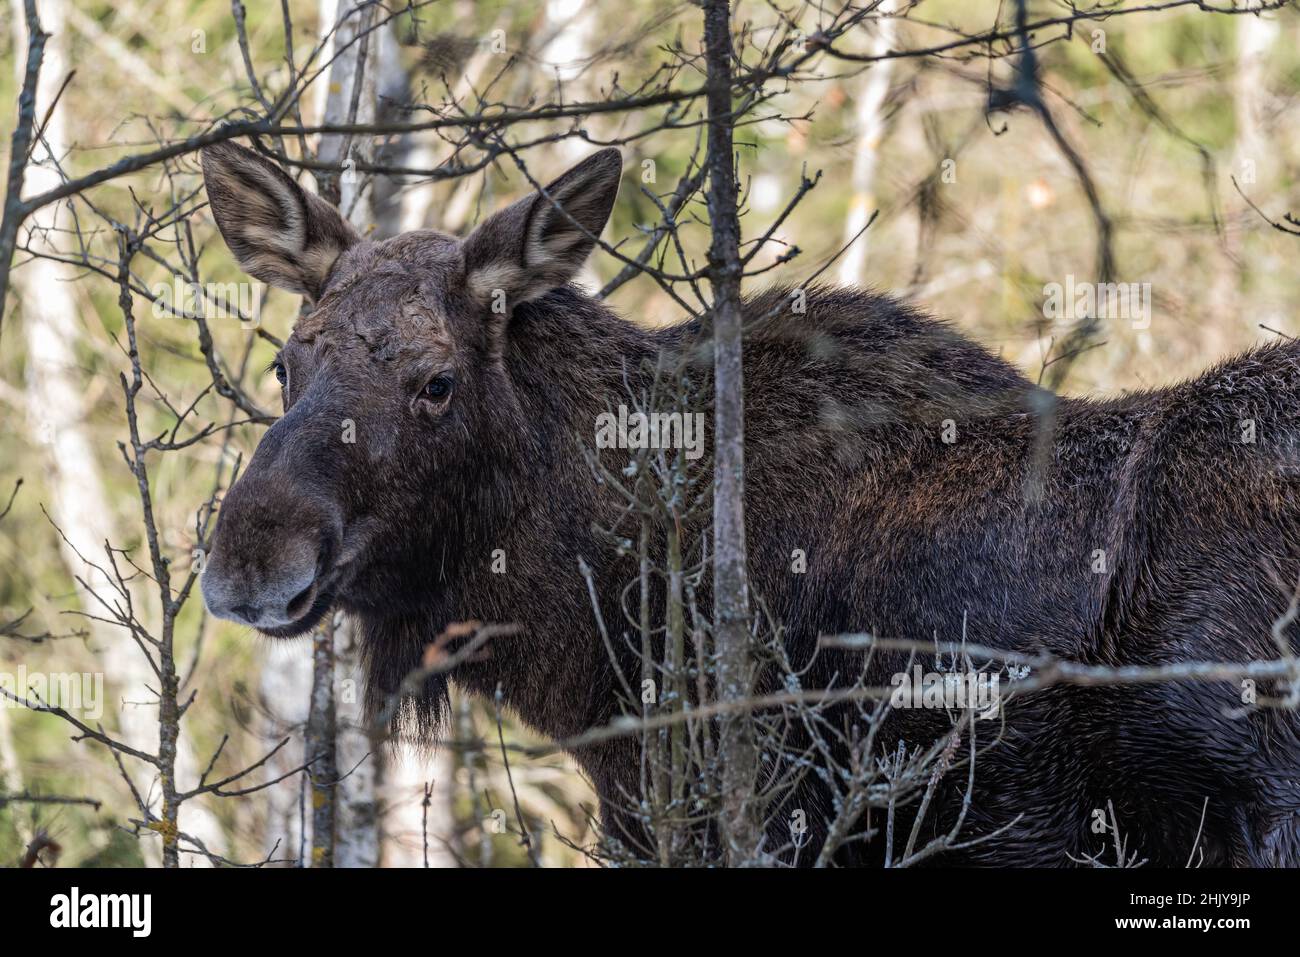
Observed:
{"x":870,"y":123}
{"x":11,"y":779}
{"x":1255,"y":38}
{"x":418,"y":201}
{"x":405,"y":775}
{"x":357,"y":797}
{"x":285,"y":690}
{"x":351,"y":21}
{"x":572,"y":24}
{"x":357,"y":800}
{"x":1250,"y":159}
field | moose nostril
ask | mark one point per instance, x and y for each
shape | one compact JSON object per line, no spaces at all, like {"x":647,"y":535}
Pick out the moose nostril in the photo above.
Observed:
{"x":250,"y":613}
{"x":301,"y":601}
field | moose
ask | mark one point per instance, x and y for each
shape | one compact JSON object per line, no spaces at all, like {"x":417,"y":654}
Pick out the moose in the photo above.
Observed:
{"x":932,"y":496}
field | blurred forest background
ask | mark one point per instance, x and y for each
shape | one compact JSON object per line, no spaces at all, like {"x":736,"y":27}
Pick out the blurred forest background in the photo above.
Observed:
{"x":1184,"y":118}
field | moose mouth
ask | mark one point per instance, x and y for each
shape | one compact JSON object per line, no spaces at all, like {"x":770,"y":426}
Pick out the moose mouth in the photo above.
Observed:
{"x":314,"y":602}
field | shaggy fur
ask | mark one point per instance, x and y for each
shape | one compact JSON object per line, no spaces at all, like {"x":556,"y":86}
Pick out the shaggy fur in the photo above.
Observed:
{"x":906,"y":535}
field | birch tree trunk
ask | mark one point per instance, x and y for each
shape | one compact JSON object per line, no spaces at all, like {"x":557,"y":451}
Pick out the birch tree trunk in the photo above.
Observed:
{"x":11,"y":778}
{"x":406,"y":773}
{"x":284,"y":687}
{"x":417,"y":202}
{"x":1255,"y":38}
{"x":350,"y":98}
{"x":870,"y":123}
{"x":1249,"y":159}
{"x":572,"y":24}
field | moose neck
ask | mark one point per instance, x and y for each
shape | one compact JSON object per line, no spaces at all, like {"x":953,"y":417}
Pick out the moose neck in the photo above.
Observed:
{"x":513,"y":554}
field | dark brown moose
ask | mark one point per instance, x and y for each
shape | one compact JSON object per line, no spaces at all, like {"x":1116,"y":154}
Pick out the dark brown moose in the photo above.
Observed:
{"x":905,"y":462}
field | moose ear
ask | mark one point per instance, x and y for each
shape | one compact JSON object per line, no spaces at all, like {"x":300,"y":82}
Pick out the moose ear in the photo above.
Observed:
{"x":278,"y":232}
{"x":530,"y":247}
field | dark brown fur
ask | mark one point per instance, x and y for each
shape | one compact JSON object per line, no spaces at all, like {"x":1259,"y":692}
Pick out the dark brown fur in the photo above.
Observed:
{"x":906,"y":536}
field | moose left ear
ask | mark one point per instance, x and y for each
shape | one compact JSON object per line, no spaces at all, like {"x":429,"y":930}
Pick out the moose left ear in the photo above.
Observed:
{"x":530,"y":247}
{"x":279,"y":233}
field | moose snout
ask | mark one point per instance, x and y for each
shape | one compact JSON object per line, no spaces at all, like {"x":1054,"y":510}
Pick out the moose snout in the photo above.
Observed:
{"x":271,"y":558}
{"x":265,"y":602}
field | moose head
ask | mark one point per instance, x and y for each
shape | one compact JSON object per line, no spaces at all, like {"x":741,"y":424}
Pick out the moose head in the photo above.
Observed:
{"x":399,"y":414}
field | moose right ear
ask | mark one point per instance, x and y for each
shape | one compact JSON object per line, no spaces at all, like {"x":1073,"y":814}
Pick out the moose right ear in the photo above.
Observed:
{"x":278,"y":232}
{"x":541,"y":241}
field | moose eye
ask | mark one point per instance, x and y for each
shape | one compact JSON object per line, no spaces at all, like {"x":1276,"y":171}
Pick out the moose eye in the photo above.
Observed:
{"x":281,"y":373}
{"x":437,"y":388}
